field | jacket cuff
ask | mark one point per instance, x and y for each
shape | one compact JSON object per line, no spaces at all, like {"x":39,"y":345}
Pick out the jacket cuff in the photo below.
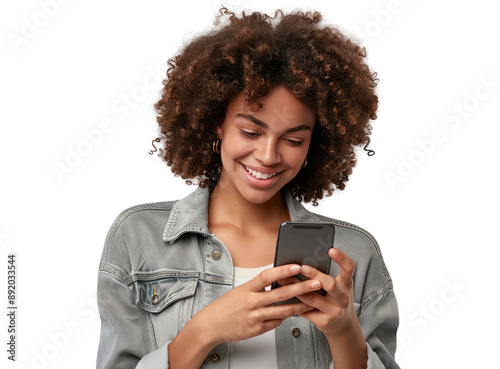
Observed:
{"x":374,"y":362}
{"x":156,"y":359}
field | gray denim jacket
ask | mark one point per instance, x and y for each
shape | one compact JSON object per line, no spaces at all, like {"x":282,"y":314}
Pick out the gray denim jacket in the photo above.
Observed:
{"x":161,"y":264}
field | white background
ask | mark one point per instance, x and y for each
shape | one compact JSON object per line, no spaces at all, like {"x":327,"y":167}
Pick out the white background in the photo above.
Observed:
{"x":428,"y":195}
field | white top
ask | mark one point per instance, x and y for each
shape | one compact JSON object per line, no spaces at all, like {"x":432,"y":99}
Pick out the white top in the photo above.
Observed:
{"x":259,"y":351}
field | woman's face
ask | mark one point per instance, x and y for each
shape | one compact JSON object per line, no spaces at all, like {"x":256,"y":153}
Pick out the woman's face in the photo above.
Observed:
{"x":262,"y":151}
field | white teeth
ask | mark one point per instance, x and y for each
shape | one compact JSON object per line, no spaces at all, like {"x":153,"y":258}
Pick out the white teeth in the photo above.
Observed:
{"x":259,"y":175}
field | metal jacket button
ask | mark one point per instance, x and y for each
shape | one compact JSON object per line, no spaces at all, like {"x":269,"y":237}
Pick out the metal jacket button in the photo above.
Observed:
{"x":296,"y":332}
{"x":215,"y":358}
{"x":154,"y":299}
{"x":216,"y":254}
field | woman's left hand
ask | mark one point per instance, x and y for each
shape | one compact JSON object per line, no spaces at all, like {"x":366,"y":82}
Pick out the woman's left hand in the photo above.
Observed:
{"x":334,"y":313}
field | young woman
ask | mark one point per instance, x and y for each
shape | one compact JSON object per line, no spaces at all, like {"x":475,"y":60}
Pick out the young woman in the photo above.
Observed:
{"x":265,"y":116}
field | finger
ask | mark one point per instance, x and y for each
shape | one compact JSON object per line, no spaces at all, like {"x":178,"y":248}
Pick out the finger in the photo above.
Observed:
{"x":284,"y":311}
{"x":285,"y":281}
{"x":320,"y":303}
{"x":271,"y":324}
{"x":327,"y":281}
{"x":286,"y":292}
{"x":346,"y":264}
{"x":268,"y":276}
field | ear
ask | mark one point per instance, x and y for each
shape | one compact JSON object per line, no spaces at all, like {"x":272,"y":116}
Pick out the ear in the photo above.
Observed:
{"x":218,"y":127}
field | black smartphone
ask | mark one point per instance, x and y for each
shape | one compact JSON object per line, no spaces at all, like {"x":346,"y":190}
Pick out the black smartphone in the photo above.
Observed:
{"x":304,"y":243}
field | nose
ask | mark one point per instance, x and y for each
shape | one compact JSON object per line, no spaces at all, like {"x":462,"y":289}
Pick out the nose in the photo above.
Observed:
{"x":268,"y":152}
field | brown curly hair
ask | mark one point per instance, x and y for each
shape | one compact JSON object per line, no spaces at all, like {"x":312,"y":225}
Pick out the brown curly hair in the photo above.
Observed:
{"x":320,"y":66}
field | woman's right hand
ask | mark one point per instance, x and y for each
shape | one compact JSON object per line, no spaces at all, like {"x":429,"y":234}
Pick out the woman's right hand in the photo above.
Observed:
{"x":247,"y":310}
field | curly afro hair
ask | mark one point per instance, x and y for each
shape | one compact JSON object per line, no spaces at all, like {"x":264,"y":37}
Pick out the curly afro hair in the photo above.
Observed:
{"x":251,"y":54}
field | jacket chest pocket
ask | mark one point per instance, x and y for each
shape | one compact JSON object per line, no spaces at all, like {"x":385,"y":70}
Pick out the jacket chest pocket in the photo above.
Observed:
{"x":169,"y":301}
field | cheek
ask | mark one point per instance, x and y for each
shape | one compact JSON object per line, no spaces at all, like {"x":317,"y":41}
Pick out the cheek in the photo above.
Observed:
{"x":295,"y":157}
{"x":236,"y":148}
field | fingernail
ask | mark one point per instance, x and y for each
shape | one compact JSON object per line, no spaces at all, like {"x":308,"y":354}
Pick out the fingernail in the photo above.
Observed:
{"x":335,"y":252}
{"x":306,"y":269}
{"x":294,"y":268}
{"x":315,"y":284}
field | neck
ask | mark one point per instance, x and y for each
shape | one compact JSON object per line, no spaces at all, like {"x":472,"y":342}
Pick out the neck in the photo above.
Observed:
{"x":227,"y":206}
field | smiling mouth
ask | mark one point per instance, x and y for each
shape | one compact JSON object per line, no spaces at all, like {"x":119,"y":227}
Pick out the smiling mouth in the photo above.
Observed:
{"x":259,"y":175}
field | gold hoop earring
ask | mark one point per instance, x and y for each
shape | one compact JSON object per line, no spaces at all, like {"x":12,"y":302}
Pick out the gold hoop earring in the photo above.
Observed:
{"x":304,"y":165}
{"x":216,"y":145}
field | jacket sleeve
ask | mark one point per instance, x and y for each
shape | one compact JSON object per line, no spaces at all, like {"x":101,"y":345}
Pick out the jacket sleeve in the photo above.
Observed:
{"x":125,"y":342}
{"x":375,"y":301}
{"x":379,"y":321}
{"x":126,"y":338}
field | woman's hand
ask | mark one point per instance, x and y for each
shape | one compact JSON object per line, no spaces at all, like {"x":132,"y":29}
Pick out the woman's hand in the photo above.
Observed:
{"x":334,"y":313}
{"x":247,"y":310}
{"x":243,"y":312}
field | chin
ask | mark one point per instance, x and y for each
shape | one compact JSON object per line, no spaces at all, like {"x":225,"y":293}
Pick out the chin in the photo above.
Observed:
{"x":258,"y":196}
{"x":258,"y":199}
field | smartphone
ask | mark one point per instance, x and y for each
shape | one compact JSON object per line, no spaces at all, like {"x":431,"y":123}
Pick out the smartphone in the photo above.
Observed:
{"x":304,"y":243}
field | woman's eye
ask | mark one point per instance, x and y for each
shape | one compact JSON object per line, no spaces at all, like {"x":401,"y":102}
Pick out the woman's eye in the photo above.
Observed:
{"x":295,"y":143}
{"x":248,"y":134}
{"x":254,"y":135}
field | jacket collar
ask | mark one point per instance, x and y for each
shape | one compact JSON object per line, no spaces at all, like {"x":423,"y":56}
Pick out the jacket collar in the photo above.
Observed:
{"x":190,"y":214}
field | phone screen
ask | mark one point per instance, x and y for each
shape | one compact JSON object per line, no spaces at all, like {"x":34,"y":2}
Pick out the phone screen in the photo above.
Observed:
{"x":304,"y":243}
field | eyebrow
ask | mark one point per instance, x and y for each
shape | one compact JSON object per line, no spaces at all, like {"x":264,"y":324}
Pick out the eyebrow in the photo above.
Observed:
{"x":260,"y":123}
